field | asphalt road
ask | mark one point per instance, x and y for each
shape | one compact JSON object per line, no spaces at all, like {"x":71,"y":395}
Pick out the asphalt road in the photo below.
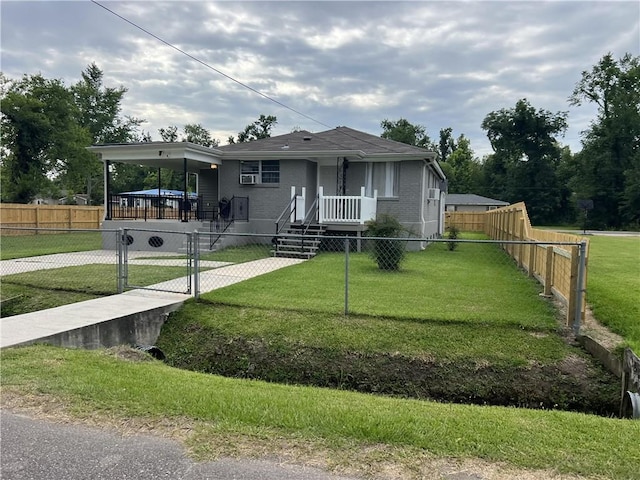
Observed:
{"x":36,"y":449}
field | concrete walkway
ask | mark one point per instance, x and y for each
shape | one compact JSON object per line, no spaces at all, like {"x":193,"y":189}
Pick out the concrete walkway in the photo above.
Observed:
{"x":30,"y":327}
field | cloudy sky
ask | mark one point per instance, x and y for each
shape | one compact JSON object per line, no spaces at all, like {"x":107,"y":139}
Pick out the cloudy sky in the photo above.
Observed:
{"x":438,"y":63}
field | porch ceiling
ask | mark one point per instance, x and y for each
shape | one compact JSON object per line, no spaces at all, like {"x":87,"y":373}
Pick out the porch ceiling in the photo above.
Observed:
{"x":160,"y":155}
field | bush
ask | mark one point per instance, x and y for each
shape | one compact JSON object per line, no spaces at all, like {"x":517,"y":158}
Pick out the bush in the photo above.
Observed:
{"x":387,"y":252}
{"x":453,"y":235}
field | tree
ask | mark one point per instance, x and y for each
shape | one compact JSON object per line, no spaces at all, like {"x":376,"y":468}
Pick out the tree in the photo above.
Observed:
{"x":261,"y":128}
{"x":609,"y":163}
{"x":526,"y":155}
{"x":446,"y":145}
{"x":462,"y":169}
{"x":405,"y":132}
{"x":196,"y":133}
{"x":40,"y":133}
{"x":99,"y":109}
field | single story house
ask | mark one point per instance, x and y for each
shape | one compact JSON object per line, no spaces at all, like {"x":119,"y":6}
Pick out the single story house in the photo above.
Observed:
{"x":469,"y":202}
{"x":338,"y":179}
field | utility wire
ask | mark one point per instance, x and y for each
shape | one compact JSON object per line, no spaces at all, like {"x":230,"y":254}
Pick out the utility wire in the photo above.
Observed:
{"x":263,"y":95}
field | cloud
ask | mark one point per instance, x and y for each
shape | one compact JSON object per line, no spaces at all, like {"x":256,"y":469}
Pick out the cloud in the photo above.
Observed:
{"x":438,"y":64}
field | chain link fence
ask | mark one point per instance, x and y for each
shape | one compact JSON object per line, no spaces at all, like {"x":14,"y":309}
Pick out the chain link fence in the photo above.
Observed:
{"x":468,"y":279}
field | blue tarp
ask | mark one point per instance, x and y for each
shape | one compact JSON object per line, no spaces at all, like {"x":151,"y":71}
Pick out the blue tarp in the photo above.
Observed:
{"x":163,"y":193}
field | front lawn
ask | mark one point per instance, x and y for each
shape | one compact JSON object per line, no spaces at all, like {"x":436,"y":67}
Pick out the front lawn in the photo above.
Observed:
{"x":221,"y":417}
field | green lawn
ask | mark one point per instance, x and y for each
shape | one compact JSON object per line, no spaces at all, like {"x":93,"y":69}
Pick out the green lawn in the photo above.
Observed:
{"x":613,"y":285}
{"x":475,"y":283}
{"x":44,"y":244}
{"x":222,"y":413}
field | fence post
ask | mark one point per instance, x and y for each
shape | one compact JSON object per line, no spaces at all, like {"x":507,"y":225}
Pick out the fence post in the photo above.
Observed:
{"x":573,"y":286}
{"x":346,"y":276}
{"x":196,"y":264}
{"x":119,"y":237}
{"x":520,"y":245}
{"x":70,"y":219}
{"x":580,"y":287}
{"x":532,"y":259}
{"x":548,"y":274}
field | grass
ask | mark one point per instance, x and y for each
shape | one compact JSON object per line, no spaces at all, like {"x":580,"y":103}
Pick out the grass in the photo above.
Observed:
{"x":91,"y":384}
{"x":22,"y":246}
{"x":613,"y":285}
{"x":475,"y":283}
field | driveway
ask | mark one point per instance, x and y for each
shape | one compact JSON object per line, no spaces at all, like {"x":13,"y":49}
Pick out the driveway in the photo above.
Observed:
{"x":38,"y":449}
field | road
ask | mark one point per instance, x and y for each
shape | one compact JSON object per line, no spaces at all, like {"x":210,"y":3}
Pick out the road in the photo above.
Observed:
{"x":33,"y":449}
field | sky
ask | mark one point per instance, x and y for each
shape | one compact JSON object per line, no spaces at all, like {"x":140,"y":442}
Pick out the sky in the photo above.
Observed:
{"x":434,"y":63}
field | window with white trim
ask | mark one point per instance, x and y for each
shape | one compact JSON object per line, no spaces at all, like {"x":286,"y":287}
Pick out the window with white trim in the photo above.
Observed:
{"x":267,"y":171}
{"x":383,"y":177}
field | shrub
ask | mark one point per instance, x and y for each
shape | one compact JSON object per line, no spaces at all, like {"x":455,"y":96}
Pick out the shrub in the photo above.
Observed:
{"x":453,"y":235}
{"x":387,"y":252}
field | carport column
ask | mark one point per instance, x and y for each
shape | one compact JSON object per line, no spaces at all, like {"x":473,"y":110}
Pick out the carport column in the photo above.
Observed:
{"x":185,"y":196}
{"x":107,"y":189}
{"x":159,"y":216}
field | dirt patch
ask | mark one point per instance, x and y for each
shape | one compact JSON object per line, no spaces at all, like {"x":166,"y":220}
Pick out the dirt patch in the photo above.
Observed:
{"x":575,"y":383}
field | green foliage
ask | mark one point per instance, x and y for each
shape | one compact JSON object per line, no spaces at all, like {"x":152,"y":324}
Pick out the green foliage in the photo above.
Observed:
{"x":46,"y":128}
{"x":452,"y":235}
{"x":525,"y":160}
{"x":387,"y":252}
{"x":463,"y":170}
{"x":405,"y":132}
{"x":261,"y":128}
{"x":609,"y":164}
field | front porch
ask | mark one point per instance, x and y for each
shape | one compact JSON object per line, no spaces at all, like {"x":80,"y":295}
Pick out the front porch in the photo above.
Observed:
{"x":331,"y":210}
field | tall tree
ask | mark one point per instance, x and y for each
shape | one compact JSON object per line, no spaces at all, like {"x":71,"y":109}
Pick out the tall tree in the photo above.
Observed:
{"x":609,"y":163}
{"x":100,"y":113}
{"x":462,"y":169}
{"x":405,"y":132}
{"x":40,"y":133}
{"x":446,"y":145}
{"x":526,"y":155}
{"x":261,"y":128}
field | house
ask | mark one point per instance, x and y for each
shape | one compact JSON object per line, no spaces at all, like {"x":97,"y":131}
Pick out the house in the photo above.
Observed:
{"x":338,"y":179}
{"x":469,"y":202}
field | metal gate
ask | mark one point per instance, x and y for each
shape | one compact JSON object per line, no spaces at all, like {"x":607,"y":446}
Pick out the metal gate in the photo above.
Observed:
{"x":141,"y":265}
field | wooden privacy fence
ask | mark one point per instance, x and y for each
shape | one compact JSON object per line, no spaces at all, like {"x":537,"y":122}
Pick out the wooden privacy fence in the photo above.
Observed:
{"x":465,"y":221}
{"x":555,"y":266}
{"x":48,"y":216}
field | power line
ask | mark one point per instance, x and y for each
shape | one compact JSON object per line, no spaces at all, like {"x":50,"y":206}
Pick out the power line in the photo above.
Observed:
{"x":248,"y":87}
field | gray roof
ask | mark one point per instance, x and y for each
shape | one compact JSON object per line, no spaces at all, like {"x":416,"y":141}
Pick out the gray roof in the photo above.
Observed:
{"x":338,"y":139}
{"x":472,"y":199}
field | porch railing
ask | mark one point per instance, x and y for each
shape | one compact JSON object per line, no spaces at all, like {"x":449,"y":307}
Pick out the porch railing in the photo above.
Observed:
{"x":346,"y":209}
{"x":152,"y":207}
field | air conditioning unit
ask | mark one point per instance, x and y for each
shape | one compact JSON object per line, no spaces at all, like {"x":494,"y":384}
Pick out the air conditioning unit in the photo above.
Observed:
{"x":248,"y":179}
{"x":433,"y":194}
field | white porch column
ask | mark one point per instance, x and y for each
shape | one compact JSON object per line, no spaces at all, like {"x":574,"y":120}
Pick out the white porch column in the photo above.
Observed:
{"x":320,"y":204}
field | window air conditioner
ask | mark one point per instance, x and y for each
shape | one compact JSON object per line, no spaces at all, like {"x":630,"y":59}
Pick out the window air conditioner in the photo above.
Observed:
{"x":248,"y":179}
{"x":433,"y":194}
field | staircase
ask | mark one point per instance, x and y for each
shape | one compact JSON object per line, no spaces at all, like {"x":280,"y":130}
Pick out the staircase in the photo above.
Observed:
{"x":299,"y":241}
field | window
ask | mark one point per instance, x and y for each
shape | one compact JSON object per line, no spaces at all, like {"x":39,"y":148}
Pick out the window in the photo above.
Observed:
{"x":267,"y":171}
{"x":383,"y":177}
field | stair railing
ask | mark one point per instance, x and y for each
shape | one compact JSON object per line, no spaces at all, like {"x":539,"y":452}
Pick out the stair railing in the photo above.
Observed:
{"x":227,"y":221}
{"x":286,"y":214}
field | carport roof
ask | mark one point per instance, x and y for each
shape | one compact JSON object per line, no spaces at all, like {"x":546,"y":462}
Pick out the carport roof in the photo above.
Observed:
{"x":160,"y":154}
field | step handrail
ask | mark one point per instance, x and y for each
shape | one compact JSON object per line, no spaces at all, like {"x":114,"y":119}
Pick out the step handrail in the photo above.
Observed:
{"x":287,"y":211}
